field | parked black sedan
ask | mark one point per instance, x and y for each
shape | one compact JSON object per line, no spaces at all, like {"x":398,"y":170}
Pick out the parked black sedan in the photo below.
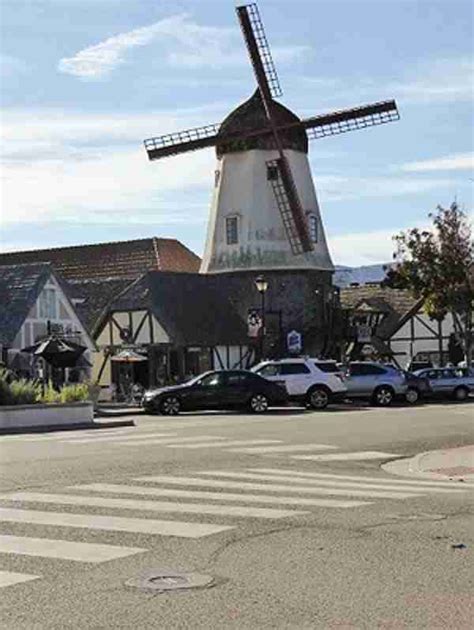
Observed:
{"x":226,"y":389}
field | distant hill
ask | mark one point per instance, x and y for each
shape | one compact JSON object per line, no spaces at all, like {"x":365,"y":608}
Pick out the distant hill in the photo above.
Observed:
{"x":367,"y":273}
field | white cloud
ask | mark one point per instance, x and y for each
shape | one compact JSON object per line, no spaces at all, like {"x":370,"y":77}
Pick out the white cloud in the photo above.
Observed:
{"x":332,"y":188}
{"x":425,"y":82}
{"x":457,"y":162}
{"x":74,"y":168}
{"x":364,"y":248}
{"x":185,"y":44}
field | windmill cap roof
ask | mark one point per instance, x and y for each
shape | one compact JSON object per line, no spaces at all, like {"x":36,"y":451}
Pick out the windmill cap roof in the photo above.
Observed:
{"x":250,"y":116}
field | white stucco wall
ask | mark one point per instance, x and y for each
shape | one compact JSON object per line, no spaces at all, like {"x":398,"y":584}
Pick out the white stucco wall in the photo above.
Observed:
{"x":423,"y":340}
{"x":244,"y":191}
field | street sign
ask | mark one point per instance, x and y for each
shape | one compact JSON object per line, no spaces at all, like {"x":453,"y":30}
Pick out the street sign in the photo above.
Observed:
{"x":294,"y":342}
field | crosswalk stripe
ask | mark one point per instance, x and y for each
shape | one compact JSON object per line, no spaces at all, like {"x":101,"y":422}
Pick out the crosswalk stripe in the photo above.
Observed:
{"x":123,"y":438}
{"x":303,"y":480}
{"x":346,"y":456}
{"x":92,"y":435}
{"x":7,"y":578}
{"x":218,"y":496}
{"x":136,"y":504}
{"x":285,"y":448}
{"x":226,"y":444}
{"x":64,"y":549}
{"x":391,"y":481}
{"x":168,"y":441}
{"x":214,"y":483}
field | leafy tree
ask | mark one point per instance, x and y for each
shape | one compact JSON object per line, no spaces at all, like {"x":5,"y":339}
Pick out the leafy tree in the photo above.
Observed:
{"x":438,"y":266}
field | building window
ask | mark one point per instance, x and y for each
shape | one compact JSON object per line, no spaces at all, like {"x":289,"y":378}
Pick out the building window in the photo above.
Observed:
{"x":217,"y":176}
{"x":272,"y":172}
{"x":313,"y":228}
{"x":232,"y":230}
{"x":47,"y":304}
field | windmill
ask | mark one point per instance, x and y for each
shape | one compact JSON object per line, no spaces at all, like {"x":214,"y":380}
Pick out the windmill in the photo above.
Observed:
{"x":280,"y":137}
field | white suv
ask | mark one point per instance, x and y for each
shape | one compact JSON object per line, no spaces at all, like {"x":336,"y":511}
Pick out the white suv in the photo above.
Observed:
{"x":304,"y":381}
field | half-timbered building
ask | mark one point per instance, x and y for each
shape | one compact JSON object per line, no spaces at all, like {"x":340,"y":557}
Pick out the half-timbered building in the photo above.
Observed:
{"x":392,"y":324}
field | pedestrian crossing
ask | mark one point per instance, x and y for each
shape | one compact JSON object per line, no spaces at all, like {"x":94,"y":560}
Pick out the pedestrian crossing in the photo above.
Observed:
{"x":216,"y":502}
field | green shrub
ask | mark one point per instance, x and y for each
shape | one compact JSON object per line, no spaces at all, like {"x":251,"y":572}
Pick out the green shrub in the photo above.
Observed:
{"x":5,"y":391}
{"x":50,"y":395}
{"x":77,"y":392}
{"x":24,"y":392}
{"x":17,"y":392}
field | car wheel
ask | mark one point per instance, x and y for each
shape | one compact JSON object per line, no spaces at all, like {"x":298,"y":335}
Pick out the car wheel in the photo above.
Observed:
{"x":412,"y":396}
{"x":383,"y":396}
{"x":318,"y":398}
{"x":170,"y":406}
{"x":258,"y":403}
{"x":460,"y":394}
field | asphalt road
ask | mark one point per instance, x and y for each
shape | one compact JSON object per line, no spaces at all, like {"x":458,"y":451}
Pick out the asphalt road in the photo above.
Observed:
{"x":289,"y":513}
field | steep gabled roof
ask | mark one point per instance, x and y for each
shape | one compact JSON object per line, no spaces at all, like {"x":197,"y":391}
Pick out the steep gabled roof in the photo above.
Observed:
{"x":193,"y":309}
{"x":398,"y":305}
{"x":92,"y":297}
{"x":20,"y":286}
{"x":121,"y":259}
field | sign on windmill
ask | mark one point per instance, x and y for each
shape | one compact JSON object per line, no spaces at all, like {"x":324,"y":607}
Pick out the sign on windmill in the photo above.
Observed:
{"x":265,"y":212}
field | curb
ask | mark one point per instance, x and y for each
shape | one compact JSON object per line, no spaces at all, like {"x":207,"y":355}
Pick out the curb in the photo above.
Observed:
{"x":69,"y":427}
{"x":418,"y":467}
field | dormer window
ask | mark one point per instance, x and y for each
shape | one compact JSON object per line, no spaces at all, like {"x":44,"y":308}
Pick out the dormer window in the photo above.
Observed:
{"x":232,"y":230}
{"x":313,"y":228}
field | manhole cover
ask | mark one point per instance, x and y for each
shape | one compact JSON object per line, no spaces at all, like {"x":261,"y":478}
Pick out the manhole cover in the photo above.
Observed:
{"x":164,"y":580}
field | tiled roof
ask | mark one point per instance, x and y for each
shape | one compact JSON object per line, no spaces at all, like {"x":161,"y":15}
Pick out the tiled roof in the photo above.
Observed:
{"x":20,"y":286}
{"x":121,"y":259}
{"x":397,"y":304}
{"x":194,"y":309}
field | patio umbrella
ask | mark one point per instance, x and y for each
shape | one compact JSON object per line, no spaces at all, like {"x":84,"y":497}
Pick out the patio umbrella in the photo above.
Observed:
{"x":56,"y":351}
{"x":129,"y":356}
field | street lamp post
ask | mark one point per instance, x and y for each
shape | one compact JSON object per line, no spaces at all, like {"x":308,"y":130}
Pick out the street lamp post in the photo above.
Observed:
{"x":262,"y":285}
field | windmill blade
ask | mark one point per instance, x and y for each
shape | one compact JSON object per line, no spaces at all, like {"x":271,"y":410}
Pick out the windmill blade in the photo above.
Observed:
{"x":181,"y":141}
{"x":351,"y":119}
{"x":259,"y":51}
{"x":286,"y":195}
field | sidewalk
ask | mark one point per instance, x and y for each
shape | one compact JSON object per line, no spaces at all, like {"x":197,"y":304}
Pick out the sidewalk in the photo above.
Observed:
{"x":453,"y":464}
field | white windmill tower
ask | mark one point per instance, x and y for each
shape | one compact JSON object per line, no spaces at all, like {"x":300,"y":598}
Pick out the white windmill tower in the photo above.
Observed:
{"x":265,"y":215}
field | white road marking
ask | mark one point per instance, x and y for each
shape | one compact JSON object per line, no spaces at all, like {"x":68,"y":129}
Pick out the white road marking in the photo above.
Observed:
{"x":238,"y":485}
{"x":304,"y":480}
{"x":123,"y":438}
{"x":7,"y":578}
{"x":361,"y":455}
{"x":226,"y":444}
{"x":64,"y":549}
{"x":399,"y":481}
{"x":92,"y":436}
{"x":285,"y":448}
{"x":217,"y":496}
{"x":134,"y":504}
{"x":177,"y":441}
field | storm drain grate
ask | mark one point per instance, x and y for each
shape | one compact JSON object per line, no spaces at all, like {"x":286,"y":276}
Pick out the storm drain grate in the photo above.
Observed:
{"x":167,"y":580}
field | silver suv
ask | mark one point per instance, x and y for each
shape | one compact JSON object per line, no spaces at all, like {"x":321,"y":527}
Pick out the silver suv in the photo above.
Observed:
{"x":376,"y":382}
{"x":304,"y":381}
{"x":451,"y":382}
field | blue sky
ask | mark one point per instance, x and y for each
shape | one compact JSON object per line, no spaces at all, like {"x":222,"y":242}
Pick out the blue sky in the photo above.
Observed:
{"x":83,"y":82}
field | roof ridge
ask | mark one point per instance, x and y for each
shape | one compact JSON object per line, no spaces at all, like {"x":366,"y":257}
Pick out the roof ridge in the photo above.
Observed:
{"x":157,"y":252}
